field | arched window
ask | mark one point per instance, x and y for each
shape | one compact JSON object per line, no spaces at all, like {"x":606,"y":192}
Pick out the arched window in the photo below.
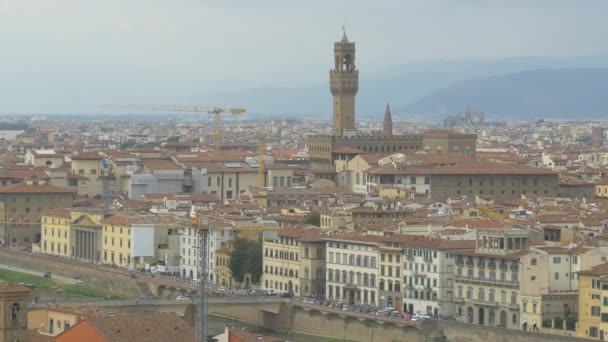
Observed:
{"x":319,"y":273}
{"x":357,"y":177}
{"x":467,"y":151}
{"x":15,"y":315}
{"x":306,"y":273}
{"x":481,"y":295}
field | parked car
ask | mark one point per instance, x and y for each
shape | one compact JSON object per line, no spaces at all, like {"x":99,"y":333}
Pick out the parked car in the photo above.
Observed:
{"x":366,"y":310}
{"x":421,"y":317}
{"x":183,"y":298}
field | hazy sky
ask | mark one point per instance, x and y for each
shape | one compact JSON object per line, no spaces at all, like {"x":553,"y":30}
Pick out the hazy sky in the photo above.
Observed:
{"x":247,"y":38}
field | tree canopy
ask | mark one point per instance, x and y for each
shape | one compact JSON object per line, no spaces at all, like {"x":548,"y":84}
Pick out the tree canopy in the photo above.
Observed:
{"x":246,"y":257}
{"x":313,"y":219}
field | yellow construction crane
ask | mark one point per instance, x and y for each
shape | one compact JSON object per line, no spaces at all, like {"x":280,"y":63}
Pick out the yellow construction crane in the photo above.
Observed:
{"x":261,"y":148}
{"x":212,"y":111}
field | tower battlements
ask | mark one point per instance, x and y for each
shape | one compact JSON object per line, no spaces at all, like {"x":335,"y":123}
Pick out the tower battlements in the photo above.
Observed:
{"x":344,"y":85}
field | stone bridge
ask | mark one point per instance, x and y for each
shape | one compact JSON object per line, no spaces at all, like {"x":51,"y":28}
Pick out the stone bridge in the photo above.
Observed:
{"x":165,"y":287}
{"x":285,"y":315}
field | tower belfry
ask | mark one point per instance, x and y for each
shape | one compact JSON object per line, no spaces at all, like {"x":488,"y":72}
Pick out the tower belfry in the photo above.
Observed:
{"x":344,"y":84}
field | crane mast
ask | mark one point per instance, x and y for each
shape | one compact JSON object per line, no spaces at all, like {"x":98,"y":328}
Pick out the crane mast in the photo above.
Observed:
{"x":202,"y":269}
{"x":215,"y":112}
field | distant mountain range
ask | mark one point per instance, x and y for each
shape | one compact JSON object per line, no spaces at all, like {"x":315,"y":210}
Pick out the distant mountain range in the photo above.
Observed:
{"x":523,"y":87}
{"x":567,"y":93}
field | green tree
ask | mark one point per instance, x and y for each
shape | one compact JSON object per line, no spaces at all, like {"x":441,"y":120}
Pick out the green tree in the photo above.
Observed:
{"x":313,"y":219}
{"x":246,"y":257}
{"x":127,"y":144}
{"x":173,"y":139}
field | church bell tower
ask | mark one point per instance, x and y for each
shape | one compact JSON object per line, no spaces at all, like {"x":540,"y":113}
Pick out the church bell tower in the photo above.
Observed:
{"x":344,"y":84}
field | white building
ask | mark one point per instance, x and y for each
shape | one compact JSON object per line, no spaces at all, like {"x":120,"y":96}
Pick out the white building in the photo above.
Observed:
{"x":189,"y":253}
{"x":352,"y":268}
{"x":428,"y":275}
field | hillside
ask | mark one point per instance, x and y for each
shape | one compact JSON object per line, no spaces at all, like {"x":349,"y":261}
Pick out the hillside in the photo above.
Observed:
{"x":552,"y":93}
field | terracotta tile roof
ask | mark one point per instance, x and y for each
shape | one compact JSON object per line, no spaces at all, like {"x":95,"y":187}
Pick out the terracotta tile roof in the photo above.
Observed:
{"x":161,"y":327}
{"x":469,"y":168}
{"x":6,"y":287}
{"x":34,"y":336}
{"x":436,"y":159}
{"x":87,"y":156}
{"x":478,"y":223}
{"x":371,"y":159}
{"x":599,"y":270}
{"x":356,"y":237}
{"x":440,"y":244}
{"x":29,"y":174}
{"x":564,"y":250}
{"x":300,"y":231}
{"x":58,"y":212}
{"x":27,"y":188}
{"x":154,"y":164}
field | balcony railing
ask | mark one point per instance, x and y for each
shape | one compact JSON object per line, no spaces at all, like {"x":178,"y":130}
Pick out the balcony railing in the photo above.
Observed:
{"x":503,"y":267}
{"x":419,"y":273}
{"x":470,"y":264}
{"x":514,"y":267}
{"x":428,"y":259}
{"x":491,"y":265}
{"x":409,"y":257}
{"x":482,"y":302}
{"x":481,"y":264}
{"x":514,"y":306}
{"x":459,"y":262}
{"x":480,"y":281}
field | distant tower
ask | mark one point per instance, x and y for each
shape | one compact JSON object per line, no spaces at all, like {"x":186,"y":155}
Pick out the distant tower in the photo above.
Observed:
{"x":344,"y":84}
{"x":387,"y":124}
{"x":13,"y":309}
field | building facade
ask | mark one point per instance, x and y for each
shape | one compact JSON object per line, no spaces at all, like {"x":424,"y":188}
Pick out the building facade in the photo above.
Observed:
{"x":488,"y":278}
{"x":281,"y":263}
{"x":352,"y":268}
